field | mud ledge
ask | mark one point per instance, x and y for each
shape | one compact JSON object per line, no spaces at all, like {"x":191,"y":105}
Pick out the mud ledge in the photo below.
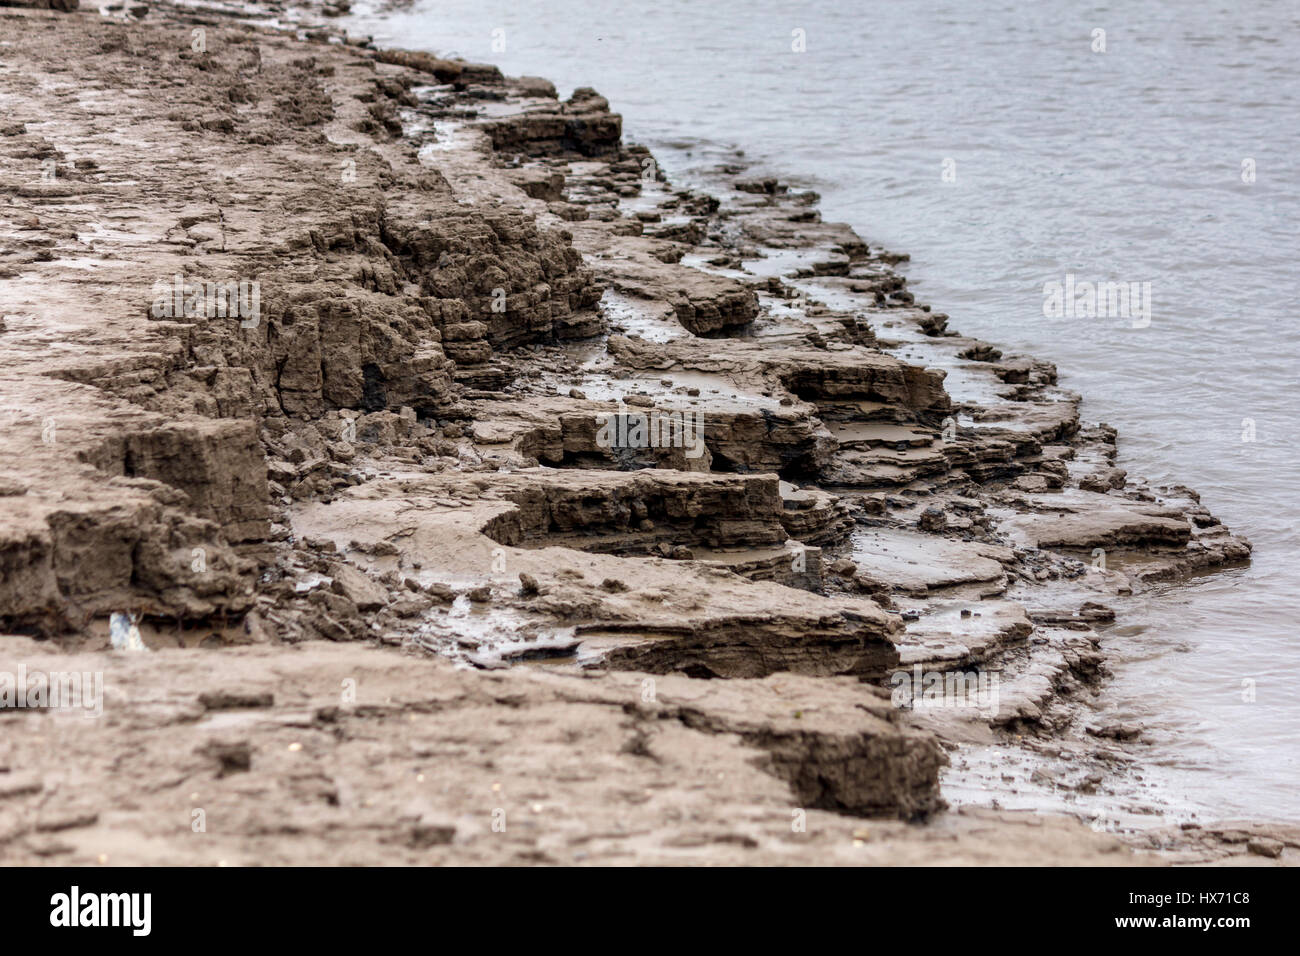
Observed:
{"x":630,"y":652}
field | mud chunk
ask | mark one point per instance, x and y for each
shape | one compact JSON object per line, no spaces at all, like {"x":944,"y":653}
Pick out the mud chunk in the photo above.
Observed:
{"x":231,"y":756}
{"x":1264,"y":846}
{"x":281,"y":471}
{"x":411,"y":606}
{"x":236,"y":700}
{"x":58,"y":822}
{"x":1104,"y":480}
{"x":933,"y":519}
{"x":1116,"y":732}
{"x":447,"y":71}
{"x":65,"y":6}
{"x":429,"y":831}
{"x":1043,"y":778}
{"x":535,"y":86}
{"x":356,"y":586}
{"x":19,"y":785}
{"x":219,"y":124}
{"x":441,"y":593}
{"x":1092,"y":611}
{"x":980,"y":352}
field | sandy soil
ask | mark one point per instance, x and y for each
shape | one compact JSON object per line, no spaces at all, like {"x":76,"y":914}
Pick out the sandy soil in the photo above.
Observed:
{"x":350,"y":483}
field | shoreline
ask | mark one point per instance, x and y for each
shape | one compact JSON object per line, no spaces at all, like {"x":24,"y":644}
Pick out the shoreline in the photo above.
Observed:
{"x":424,"y":382}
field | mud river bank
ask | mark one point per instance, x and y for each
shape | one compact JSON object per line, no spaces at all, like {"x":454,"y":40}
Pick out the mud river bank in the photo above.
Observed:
{"x":421,"y":477}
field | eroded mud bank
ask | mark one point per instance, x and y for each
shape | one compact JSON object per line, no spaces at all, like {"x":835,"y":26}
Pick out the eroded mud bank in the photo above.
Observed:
{"x":430,"y":431}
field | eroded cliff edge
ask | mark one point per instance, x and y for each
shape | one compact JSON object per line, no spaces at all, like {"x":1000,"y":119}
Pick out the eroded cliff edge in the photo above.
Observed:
{"x":445,"y":282}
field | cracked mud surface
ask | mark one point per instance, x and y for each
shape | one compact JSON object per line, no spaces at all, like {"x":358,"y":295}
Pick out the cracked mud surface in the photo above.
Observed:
{"x":404,"y":603}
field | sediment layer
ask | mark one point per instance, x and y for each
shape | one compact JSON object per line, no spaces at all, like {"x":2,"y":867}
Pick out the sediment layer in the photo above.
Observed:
{"x":448,"y":282}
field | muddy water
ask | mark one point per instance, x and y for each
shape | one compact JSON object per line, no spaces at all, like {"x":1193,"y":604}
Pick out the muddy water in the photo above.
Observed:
{"x":1124,"y":165}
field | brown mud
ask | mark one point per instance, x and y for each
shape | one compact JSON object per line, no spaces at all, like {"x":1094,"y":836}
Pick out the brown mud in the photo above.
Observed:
{"x":404,"y":600}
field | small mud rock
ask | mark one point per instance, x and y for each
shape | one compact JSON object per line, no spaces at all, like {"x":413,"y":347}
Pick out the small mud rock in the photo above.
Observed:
{"x":358,"y":587}
{"x":1117,"y":732}
{"x":236,"y":700}
{"x":1263,"y":846}
{"x":231,"y":757}
{"x":933,"y":519}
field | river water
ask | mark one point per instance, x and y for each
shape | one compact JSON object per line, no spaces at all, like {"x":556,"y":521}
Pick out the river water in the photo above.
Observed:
{"x":1005,"y":146}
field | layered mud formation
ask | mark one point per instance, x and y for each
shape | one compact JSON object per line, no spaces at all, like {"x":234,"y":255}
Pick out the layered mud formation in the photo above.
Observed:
{"x":481,"y":496}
